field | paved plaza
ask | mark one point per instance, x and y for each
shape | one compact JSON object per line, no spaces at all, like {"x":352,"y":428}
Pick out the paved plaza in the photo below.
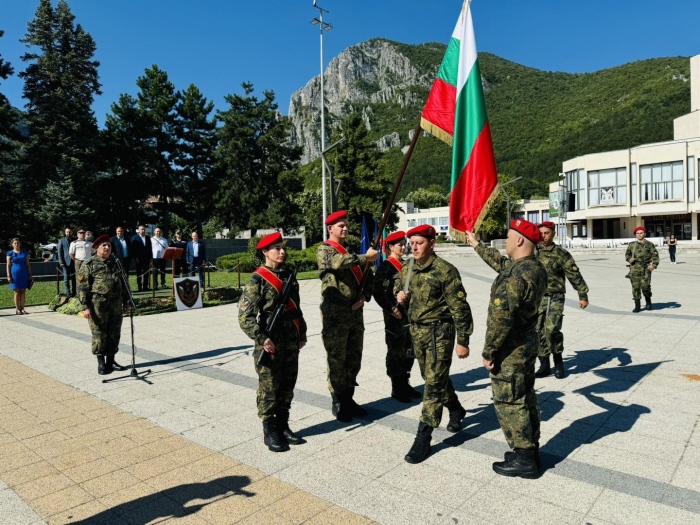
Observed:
{"x":620,"y":434}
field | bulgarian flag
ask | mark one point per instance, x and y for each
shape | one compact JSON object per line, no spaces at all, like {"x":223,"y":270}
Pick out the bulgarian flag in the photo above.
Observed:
{"x":455,"y":113}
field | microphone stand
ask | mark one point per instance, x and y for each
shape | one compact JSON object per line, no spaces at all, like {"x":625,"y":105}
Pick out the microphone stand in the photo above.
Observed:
{"x":134,"y":373}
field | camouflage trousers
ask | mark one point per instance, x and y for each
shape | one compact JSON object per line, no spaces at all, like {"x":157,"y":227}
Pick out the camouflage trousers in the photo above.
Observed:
{"x":438,"y":391}
{"x":106,"y":324}
{"x":514,"y":398}
{"x":276,"y":382}
{"x":398,"y":342}
{"x":550,"y":317}
{"x":343,"y":335}
{"x":641,"y":282}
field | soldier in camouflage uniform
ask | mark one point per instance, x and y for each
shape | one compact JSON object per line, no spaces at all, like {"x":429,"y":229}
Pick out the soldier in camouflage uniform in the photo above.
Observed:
{"x":275,"y":382}
{"x":559,"y":265}
{"x":643,"y":259}
{"x":511,"y":342}
{"x":397,"y":338}
{"x":341,"y":314}
{"x":437,"y":310}
{"x":104,"y":297}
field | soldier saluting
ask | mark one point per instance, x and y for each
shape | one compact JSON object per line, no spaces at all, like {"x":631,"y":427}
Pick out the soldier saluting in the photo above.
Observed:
{"x":437,"y":310}
{"x":104,"y":297}
{"x":276,"y":382}
{"x":643,"y":259}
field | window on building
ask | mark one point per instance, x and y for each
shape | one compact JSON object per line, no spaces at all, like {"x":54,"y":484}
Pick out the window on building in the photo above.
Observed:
{"x":661,"y":181}
{"x":691,"y":179}
{"x":519,"y":215}
{"x":533,"y":216}
{"x":444,"y":221}
{"x":545,"y":215}
{"x":412,"y":223}
{"x":634,"y":184}
{"x":576,"y":185}
{"x":432,"y":221}
{"x":422,"y":221}
{"x":607,"y":187}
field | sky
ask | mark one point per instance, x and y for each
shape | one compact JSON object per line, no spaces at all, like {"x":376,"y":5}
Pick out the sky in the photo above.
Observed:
{"x":218,"y":44}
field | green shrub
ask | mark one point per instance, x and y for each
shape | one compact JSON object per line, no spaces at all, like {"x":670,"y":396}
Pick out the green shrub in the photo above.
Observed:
{"x":248,"y":262}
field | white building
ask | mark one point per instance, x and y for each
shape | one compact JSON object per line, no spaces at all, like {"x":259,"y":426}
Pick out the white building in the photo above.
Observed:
{"x":607,"y":195}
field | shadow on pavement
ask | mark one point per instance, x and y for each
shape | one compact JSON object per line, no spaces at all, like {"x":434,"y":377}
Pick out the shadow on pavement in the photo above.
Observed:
{"x":171,"y":503}
{"x":208,"y":354}
{"x":664,"y":306}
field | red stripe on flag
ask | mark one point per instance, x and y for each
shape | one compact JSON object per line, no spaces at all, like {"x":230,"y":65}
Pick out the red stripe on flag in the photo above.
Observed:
{"x":440,"y":107}
{"x":475,"y":185}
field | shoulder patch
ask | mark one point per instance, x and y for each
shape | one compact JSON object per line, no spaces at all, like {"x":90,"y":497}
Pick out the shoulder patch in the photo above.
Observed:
{"x":460,"y":294}
{"x":497,"y":301}
{"x":244,"y":303}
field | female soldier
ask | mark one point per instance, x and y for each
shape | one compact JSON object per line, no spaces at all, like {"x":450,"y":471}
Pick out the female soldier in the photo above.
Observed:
{"x":276,"y":381}
{"x":398,"y":341}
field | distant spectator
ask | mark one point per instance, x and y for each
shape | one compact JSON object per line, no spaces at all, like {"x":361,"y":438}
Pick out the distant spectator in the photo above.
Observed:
{"x":672,"y":243}
{"x":196,"y":255}
{"x":158,"y":245}
{"x":80,"y":250}
{"x":66,"y":264}
{"x":19,"y":273}
{"x":181,"y":263}
{"x":121,"y":248}
{"x":143,"y":255}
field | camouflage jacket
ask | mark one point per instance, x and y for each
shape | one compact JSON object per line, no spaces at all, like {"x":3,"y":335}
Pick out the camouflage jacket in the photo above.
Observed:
{"x":559,"y":265}
{"x":101,"y":277}
{"x":338,"y":282}
{"x":384,"y":283}
{"x":258,"y":300}
{"x":515,"y":298}
{"x":437,"y":294}
{"x":643,"y":253}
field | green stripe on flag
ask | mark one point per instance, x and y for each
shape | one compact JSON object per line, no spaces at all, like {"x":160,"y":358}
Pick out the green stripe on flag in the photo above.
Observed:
{"x":450,"y":63}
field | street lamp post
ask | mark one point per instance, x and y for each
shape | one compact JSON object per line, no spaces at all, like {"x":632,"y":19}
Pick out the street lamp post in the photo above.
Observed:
{"x":505,"y":196}
{"x":323,"y":26}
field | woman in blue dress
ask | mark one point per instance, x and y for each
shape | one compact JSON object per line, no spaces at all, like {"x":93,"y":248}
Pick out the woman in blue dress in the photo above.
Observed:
{"x":19,"y":273}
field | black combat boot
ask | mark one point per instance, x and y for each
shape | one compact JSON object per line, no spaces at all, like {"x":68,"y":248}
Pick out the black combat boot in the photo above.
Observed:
{"x":282,"y":422}
{"x":637,"y":306}
{"x":111,"y":363}
{"x":648,"y":301}
{"x":399,"y":390}
{"x":545,"y":369}
{"x":521,"y":463}
{"x":355,"y":409}
{"x":272,"y":438}
{"x":510,"y":454}
{"x":559,"y":371}
{"x":101,"y":367}
{"x":457,"y":413}
{"x":412,"y":392}
{"x":421,"y":445}
{"x":339,"y":408}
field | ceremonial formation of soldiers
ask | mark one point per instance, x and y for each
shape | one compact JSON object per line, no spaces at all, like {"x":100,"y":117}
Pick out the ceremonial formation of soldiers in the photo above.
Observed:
{"x":426,"y":316}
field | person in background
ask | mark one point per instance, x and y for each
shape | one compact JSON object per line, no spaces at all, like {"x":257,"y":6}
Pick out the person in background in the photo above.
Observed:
{"x":672,"y":243}
{"x":66,"y":264}
{"x":158,"y":244}
{"x":80,"y":250}
{"x":196,"y":255}
{"x":19,"y":274}
{"x":121,"y":248}
{"x":142,"y":253}
{"x":181,"y":263}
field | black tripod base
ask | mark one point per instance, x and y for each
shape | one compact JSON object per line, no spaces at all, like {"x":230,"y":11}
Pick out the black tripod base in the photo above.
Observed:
{"x":134,"y":374}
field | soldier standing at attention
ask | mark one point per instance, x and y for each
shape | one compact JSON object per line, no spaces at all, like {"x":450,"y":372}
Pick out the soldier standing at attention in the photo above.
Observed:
{"x":643,"y":259}
{"x":511,"y":344}
{"x":398,"y":341}
{"x":104,"y":297}
{"x":275,"y":382}
{"x":341,"y":314}
{"x":437,"y":310}
{"x":559,"y":265}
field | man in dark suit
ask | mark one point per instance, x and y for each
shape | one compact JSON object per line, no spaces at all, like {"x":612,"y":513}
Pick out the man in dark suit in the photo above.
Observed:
{"x":196,"y":255}
{"x":66,"y":264}
{"x":121,"y":248}
{"x":142,"y":253}
{"x":181,"y":263}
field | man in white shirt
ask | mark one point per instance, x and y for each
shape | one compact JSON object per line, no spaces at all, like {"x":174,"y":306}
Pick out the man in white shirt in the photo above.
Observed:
{"x":158,"y":245}
{"x":80,"y":250}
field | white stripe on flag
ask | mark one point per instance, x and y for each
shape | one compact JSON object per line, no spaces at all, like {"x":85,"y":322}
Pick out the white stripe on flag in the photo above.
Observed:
{"x":467,"y":45}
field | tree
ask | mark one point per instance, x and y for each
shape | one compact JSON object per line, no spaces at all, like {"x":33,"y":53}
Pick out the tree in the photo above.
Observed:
{"x":495,"y":222}
{"x":194,"y":155}
{"x":257,"y":180}
{"x":365,"y":184}
{"x":427,"y":198}
{"x":60,"y":83}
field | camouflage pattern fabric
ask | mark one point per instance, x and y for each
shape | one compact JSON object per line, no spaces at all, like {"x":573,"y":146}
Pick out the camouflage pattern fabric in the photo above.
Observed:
{"x":644,"y":254}
{"x":396,"y":336}
{"x":437,"y":298}
{"x":343,"y":329}
{"x":276,"y":382}
{"x":549,"y":325}
{"x":560,"y":265}
{"x":100,"y":289}
{"x":512,"y":342}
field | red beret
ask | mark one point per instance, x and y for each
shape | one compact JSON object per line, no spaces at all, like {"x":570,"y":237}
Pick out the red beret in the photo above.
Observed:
{"x":269,"y":240}
{"x":100,"y":240}
{"x":424,"y":230}
{"x":547,"y":224}
{"x":640,"y":229}
{"x":526,"y":229}
{"x":336,"y":216}
{"x":395,"y":237}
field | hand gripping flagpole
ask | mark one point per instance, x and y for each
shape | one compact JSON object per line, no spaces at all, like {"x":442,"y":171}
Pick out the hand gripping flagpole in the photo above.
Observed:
{"x":134,"y":373}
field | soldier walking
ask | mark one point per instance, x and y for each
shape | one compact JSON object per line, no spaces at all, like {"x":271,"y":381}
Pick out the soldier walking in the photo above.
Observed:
{"x":643,"y":259}
{"x":559,"y":265}
{"x":437,"y":310}
{"x":341,"y":314}
{"x":104,"y":297}
{"x":397,"y":338}
{"x":511,"y":344}
{"x":276,"y":382}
